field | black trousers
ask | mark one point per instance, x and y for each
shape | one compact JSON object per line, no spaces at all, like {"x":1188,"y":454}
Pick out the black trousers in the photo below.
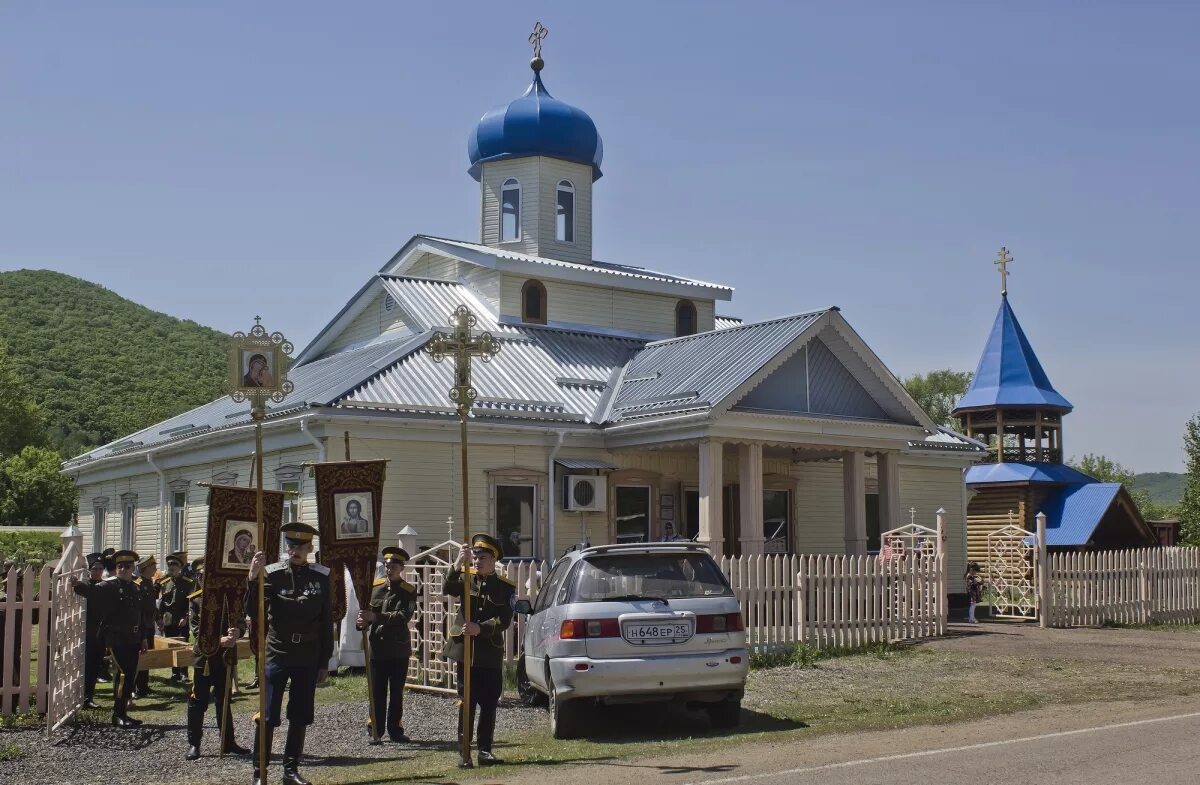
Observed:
{"x":301,"y":695}
{"x":208,"y":689}
{"x":387,"y":682}
{"x":125,"y":656}
{"x":93,"y":658}
{"x":486,"y":686}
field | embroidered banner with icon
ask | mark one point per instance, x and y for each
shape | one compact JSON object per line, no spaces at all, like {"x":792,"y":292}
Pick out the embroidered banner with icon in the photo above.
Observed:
{"x":349,"y":510}
{"x":232,"y":542}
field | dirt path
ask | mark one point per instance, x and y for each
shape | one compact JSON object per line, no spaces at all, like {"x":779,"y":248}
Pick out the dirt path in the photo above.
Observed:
{"x":1114,"y":646}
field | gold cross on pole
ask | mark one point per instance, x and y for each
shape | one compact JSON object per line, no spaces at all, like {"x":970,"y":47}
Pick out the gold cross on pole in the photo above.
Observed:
{"x":1002,"y":262}
{"x":536,"y":37}
{"x":463,"y":347}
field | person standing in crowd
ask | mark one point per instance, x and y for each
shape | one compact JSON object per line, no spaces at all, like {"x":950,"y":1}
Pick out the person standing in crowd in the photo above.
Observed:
{"x":209,"y":672}
{"x":974,"y":590}
{"x":393,"y":603}
{"x":173,"y":592}
{"x":299,"y":636}
{"x":93,"y":647}
{"x":491,"y":613}
{"x":122,"y":619}
{"x":147,"y":568}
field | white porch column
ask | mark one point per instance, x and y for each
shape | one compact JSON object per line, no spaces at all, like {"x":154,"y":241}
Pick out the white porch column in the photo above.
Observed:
{"x":854,"y":476}
{"x":750,"y":481}
{"x":711,"y":487}
{"x":889,"y":490}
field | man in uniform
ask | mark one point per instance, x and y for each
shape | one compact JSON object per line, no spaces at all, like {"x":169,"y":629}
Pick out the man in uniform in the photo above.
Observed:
{"x":122,"y":619}
{"x":209,"y":672}
{"x":147,"y":567}
{"x":299,"y":641}
{"x":491,"y":613}
{"x":93,"y":647}
{"x":393,"y":603}
{"x":173,"y":592}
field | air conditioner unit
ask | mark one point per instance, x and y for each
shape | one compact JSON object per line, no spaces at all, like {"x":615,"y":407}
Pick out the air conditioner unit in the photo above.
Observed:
{"x":584,"y":493}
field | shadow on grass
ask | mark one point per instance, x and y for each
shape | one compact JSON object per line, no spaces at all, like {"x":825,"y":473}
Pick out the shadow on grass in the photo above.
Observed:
{"x":640,"y":723}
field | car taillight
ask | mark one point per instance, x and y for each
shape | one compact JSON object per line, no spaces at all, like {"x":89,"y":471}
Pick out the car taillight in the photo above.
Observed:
{"x":575,"y":629}
{"x":721,"y":622}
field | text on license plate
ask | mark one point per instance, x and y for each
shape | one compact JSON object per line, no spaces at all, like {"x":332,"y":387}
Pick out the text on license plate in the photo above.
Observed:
{"x":674,"y":632}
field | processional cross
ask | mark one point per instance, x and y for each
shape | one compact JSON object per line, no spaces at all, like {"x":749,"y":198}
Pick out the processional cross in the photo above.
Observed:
{"x":463,"y":346}
{"x":536,"y":37}
{"x":1002,"y":262}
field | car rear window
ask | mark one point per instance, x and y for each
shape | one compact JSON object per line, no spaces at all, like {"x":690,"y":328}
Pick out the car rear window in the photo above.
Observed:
{"x":661,"y":575}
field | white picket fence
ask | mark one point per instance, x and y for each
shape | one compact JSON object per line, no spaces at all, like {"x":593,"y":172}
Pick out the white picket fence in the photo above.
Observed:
{"x":1142,"y":586}
{"x":25,"y":639}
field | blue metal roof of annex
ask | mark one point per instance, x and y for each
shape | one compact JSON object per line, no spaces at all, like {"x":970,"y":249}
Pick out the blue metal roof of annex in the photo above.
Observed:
{"x":1009,"y":373}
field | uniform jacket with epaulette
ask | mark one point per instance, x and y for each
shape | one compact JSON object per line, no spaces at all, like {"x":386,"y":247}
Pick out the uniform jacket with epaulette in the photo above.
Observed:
{"x":491,"y":609}
{"x":120,"y":608}
{"x":394,"y":603}
{"x":194,"y":599}
{"x":299,"y":615}
{"x":173,"y":594}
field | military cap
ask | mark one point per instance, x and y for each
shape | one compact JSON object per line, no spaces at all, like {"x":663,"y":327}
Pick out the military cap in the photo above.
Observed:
{"x":395,"y":553}
{"x":120,"y":557}
{"x":298,"y":532}
{"x":198,"y":563}
{"x":174,"y":559}
{"x":108,"y":552}
{"x":486,"y":542}
{"x":146,"y":562}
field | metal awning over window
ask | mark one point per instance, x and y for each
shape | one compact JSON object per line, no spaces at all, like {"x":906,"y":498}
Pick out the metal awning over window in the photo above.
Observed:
{"x":584,"y":463}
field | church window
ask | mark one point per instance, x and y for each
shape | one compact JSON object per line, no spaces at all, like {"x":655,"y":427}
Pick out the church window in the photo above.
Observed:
{"x":533,"y":302}
{"x":564,"y":226}
{"x":178,"y":519}
{"x":99,"y":516}
{"x":685,"y":318}
{"x":510,"y":210}
{"x":128,"y":519}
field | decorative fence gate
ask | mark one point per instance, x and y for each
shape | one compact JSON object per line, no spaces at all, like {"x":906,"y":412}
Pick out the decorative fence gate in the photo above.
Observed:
{"x":1012,"y":573}
{"x":65,"y":688}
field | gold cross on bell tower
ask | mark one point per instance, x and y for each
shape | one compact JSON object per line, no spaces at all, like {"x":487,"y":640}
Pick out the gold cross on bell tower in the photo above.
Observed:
{"x":1002,"y":262}
{"x":463,"y":347}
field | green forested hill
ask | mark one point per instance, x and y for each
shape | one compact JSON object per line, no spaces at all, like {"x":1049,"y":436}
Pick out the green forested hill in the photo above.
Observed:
{"x":99,"y":365}
{"x":1163,"y":487}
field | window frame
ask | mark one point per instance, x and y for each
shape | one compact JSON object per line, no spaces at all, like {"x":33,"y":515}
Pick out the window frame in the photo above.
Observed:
{"x":650,"y":517}
{"x":177,"y":522}
{"x":533,"y":518}
{"x":509,"y":184}
{"x":128,"y":521}
{"x":679,"y":307}
{"x":568,"y":225}
{"x":534,"y":283}
{"x":99,"y":522}
{"x":517,"y":475}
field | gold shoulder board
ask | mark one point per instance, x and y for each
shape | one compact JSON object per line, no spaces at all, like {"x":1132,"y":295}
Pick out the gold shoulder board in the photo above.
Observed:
{"x":195,"y":594}
{"x":379,"y":582}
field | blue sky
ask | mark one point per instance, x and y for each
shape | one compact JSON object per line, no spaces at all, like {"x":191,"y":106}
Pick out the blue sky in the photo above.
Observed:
{"x":216,"y":160}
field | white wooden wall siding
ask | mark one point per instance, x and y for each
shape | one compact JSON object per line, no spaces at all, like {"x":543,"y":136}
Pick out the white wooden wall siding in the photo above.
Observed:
{"x":539,"y":177}
{"x":1142,"y":586}
{"x":373,"y":322}
{"x":607,"y":307}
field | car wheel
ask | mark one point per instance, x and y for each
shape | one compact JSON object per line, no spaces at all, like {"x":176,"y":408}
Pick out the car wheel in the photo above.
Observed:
{"x":526,"y":692}
{"x":726,"y":714}
{"x":564,"y":716}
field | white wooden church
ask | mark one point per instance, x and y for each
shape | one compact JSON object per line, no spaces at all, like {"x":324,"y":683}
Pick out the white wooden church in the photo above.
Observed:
{"x":620,"y":406}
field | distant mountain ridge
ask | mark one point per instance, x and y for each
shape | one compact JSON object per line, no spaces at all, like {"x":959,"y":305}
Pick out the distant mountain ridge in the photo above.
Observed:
{"x":1163,"y":487}
{"x":101,"y":366}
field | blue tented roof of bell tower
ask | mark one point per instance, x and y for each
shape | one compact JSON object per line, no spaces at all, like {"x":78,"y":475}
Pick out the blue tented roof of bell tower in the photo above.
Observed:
{"x":1009,"y":373}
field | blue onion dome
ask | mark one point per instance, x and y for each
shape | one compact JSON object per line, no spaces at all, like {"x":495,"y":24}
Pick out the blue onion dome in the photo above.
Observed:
{"x":537,"y":123}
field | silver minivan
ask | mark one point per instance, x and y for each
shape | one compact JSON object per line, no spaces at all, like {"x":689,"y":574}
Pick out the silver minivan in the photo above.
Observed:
{"x":632,"y":623}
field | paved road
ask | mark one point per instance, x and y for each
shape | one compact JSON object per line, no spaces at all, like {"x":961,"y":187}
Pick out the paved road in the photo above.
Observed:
{"x":1089,"y":744}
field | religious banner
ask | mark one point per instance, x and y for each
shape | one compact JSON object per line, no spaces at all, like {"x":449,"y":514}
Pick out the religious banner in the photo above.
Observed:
{"x":232,"y":542}
{"x":349,"y":512}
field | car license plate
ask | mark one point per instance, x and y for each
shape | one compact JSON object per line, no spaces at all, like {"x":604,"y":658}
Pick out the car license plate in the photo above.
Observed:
{"x":657,"y":632}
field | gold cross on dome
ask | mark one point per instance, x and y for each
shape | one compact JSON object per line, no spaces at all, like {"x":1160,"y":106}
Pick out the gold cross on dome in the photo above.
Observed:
{"x":463,"y":347}
{"x":539,"y":33}
{"x":1002,"y":262}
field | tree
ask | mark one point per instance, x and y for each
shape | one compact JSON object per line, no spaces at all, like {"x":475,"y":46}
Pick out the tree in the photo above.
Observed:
{"x":20,"y":419}
{"x":32,"y":490}
{"x":1105,"y":469}
{"x":938,"y":392}
{"x":1189,"y":505}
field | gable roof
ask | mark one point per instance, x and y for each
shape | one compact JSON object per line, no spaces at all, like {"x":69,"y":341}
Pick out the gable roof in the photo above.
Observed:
{"x":1054,"y":473}
{"x":1074,"y":512}
{"x":1009,"y":373}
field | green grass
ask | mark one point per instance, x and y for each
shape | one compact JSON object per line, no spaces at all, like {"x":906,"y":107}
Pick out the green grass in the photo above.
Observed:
{"x":806,"y":656}
{"x":9,"y":752}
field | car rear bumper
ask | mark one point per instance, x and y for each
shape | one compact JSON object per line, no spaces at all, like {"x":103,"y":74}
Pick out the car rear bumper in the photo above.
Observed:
{"x":704,"y":676}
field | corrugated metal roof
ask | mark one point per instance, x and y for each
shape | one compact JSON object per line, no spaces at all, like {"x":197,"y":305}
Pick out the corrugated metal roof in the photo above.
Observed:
{"x":608,"y":267}
{"x":701,"y":370}
{"x":584,"y":463}
{"x":1073,"y":513}
{"x":316,"y":383}
{"x":725,"y":322}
